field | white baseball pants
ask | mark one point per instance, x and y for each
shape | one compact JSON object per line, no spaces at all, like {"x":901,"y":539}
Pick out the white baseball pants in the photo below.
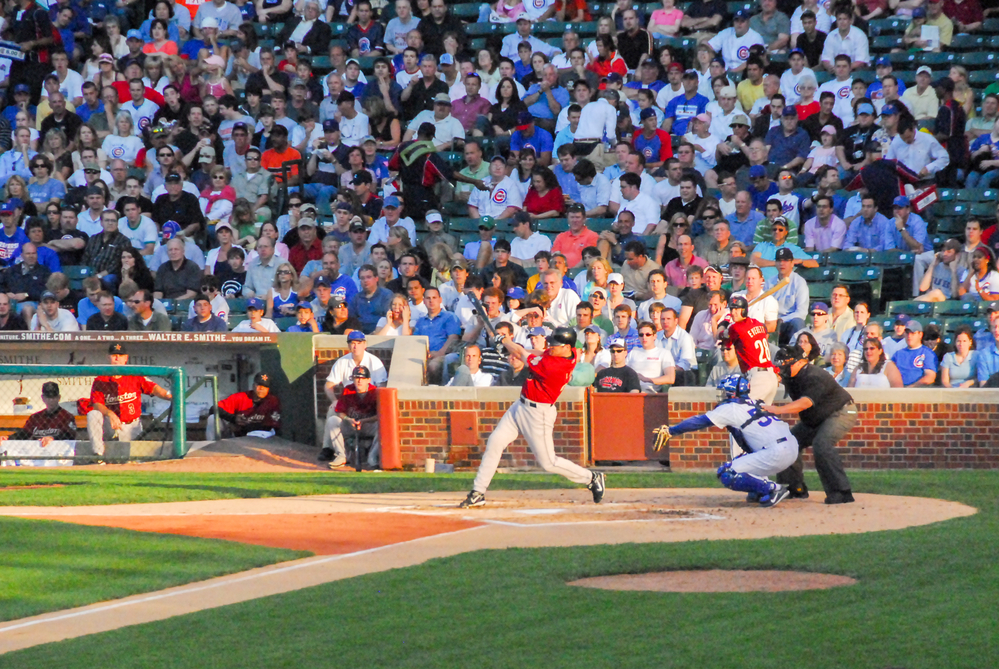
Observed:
{"x":763,"y":387}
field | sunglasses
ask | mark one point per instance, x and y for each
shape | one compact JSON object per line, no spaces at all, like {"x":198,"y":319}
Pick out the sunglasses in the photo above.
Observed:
{"x":643,"y":335}
{"x":679,"y":225}
{"x":709,"y":216}
{"x":91,"y":171}
{"x":283,"y":271}
{"x":871,"y":348}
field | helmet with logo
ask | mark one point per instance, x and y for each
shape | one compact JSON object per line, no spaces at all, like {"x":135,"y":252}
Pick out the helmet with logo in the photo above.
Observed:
{"x":734,"y":385}
{"x":562,"y":336}
{"x":738,"y":302}
{"x":787,"y":356}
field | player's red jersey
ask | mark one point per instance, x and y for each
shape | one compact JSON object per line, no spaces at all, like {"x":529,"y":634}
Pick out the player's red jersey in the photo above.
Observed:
{"x":121,"y":394}
{"x":549,"y":375}
{"x":752,"y":348}
{"x":58,"y":424}
{"x":357,"y":405}
{"x":260,"y":414}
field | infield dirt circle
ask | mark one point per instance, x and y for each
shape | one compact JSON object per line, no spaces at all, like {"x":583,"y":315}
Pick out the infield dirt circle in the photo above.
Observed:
{"x":365,"y":534}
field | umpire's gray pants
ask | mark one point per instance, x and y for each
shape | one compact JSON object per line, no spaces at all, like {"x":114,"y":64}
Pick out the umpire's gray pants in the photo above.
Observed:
{"x":823,"y":440}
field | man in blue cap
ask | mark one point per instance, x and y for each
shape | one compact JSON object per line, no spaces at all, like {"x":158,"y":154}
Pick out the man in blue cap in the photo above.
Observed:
{"x":651,"y":141}
{"x":851,"y":148}
{"x":306,"y":320}
{"x":789,"y":144}
{"x":875,"y":91}
{"x":528,"y":134}
{"x":12,"y":237}
{"x":256,"y":321}
{"x":733,"y":43}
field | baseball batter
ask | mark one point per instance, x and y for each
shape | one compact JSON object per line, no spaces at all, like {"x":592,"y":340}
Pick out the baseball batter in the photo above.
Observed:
{"x":534,"y":414}
{"x":769,"y":445}
{"x":116,"y":403}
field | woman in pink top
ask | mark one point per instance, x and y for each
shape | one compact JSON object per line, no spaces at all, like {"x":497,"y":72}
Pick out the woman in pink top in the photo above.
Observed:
{"x":161,"y":42}
{"x":666,"y":21}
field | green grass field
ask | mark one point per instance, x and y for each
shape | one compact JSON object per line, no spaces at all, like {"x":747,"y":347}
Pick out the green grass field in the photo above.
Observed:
{"x":926,"y":599}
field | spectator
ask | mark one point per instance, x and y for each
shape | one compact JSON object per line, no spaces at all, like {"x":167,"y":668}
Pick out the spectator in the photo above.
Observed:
{"x":179,"y":278}
{"x":10,"y":320}
{"x":744,"y":220}
{"x":921,"y":100}
{"x":106,"y":319}
{"x":981,"y":280}
{"x":617,"y":376}
{"x":25,"y":282}
{"x":847,"y":40}
{"x":959,"y":368}
{"x":50,"y":317}
{"x":680,"y":345}
{"x":145,"y":318}
{"x":876,"y":370}
{"x":636,"y":270}
{"x":916,"y":363}
{"x":372,"y":301}
{"x":789,"y":144}
{"x":654,"y":365}
{"x":733,"y":43}
{"x":826,"y":231}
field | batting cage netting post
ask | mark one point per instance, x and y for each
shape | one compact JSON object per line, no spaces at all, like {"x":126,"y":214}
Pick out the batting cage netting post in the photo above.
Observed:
{"x":21,"y":396}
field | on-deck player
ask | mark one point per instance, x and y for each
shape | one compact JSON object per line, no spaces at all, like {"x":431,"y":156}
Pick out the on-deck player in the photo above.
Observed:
{"x":769,"y":445}
{"x":116,"y":403}
{"x":533,"y":416}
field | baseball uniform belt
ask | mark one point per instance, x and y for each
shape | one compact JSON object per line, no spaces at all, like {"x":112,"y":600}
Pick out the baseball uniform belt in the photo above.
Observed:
{"x":536,"y":405}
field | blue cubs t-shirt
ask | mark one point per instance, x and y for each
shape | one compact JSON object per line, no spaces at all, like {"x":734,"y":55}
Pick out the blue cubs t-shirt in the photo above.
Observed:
{"x":682,"y":110}
{"x":540,"y":141}
{"x":913,"y":363}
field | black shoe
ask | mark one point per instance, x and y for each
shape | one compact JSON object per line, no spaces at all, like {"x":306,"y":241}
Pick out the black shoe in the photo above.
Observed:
{"x":798,"y":492}
{"x":597,"y":486}
{"x":839,"y":497}
{"x":473,"y":499}
{"x":325,"y":455}
{"x":776,"y":496}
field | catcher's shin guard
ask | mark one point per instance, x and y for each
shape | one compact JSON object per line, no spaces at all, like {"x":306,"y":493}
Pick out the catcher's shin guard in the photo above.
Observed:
{"x":743,"y":482}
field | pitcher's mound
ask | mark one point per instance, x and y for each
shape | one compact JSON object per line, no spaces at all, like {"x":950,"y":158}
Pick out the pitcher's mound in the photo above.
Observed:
{"x":717,"y":580}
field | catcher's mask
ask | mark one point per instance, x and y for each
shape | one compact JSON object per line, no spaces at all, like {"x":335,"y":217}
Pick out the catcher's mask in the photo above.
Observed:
{"x":786,"y":357}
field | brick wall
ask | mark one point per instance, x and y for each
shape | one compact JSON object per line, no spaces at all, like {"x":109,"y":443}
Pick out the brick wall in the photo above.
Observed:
{"x":424,"y":433}
{"x":886,"y":436}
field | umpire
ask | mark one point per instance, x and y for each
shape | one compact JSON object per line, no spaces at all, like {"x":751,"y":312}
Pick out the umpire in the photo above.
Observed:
{"x":826,"y":413}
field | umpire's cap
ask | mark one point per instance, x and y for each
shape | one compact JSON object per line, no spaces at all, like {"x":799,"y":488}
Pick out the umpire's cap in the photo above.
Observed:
{"x":117,"y":348}
{"x":562,"y":336}
{"x":50,"y":389}
{"x":738,"y":302}
{"x":262,"y":379}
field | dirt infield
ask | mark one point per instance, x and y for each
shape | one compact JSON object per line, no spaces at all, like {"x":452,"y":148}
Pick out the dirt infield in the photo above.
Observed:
{"x":398,"y":530}
{"x":717,"y":580}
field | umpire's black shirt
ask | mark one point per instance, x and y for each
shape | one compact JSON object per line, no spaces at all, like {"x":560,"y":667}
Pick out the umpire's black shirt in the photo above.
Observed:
{"x":818,"y":385}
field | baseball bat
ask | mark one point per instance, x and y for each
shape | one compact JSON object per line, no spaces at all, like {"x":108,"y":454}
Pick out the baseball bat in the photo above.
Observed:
{"x":481,"y":311}
{"x":780,"y":284}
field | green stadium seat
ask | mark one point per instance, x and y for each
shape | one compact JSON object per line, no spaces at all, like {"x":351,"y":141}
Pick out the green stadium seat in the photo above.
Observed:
{"x":909,"y":308}
{"x":599,"y":224}
{"x":984,"y":209}
{"x":968,"y":43}
{"x":843,"y":258}
{"x":553,"y":225}
{"x":237,"y":305}
{"x":479,"y":28}
{"x":477,"y":43}
{"x":169,"y":305}
{"x":651,"y":241}
{"x":955,"y":308}
{"x":976,"y":323}
{"x":981,"y":78}
{"x":76,"y":274}
{"x":967,"y":194}
{"x":976,"y":60}
{"x":455,"y":208}
{"x":183,"y":306}
{"x":936,"y":59}
{"x":947,"y":194}
{"x":463,"y":225}
{"x":285,"y":322}
{"x":893,"y":258}
{"x":467,"y":10}
{"x":892,"y":26}
{"x":883,"y":43}
{"x":818,"y":291}
{"x":902,"y":60}
{"x":816,"y":274}
{"x":990,"y":26}
{"x":950,"y":226}
{"x":950,"y":209}
{"x":990,"y":195}
{"x":865,"y":282}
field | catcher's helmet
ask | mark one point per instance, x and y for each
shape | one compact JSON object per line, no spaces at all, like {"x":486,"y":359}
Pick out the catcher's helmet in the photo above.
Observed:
{"x":734,"y":385}
{"x":738,"y":302}
{"x":561,"y":336}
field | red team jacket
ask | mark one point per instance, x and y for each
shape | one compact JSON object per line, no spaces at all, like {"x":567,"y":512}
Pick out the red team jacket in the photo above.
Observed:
{"x":752,"y":348}
{"x":121,"y":394}
{"x":58,"y":424}
{"x":549,"y":375}
{"x":262,"y":414}
{"x":357,"y":405}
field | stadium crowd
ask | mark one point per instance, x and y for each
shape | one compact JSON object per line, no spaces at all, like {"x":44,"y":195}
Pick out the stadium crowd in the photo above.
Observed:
{"x":272,"y":165}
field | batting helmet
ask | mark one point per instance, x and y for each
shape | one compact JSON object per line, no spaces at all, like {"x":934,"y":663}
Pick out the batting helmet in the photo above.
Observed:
{"x":561,"y":336}
{"x":738,"y":302}
{"x":734,"y":385}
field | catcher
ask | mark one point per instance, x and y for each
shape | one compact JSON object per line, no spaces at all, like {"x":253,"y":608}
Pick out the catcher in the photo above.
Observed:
{"x":769,"y":445}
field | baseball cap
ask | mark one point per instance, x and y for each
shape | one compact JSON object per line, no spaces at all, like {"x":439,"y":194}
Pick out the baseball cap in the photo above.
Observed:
{"x":173,"y":177}
{"x":391,"y":202}
{"x":362,"y":177}
{"x":923,"y":69}
{"x":796,"y":51}
{"x":615,"y":277}
{"x":344,"y":206}
{"x":322,"y":281}
{"x":442,"y":98}
{"x":784,"y":253}
{"x":255,"y":303}
{"x":713,"y":268}
{"x":334,"y":302}
{"x":536,"y":332}
{"x":298,"y":82}
{"x":919,"y":13}
{"x":523,"y":16}
{"x":356,"y":335}
{"x":103,"y":58}
{"x":261,"y":379}
{"x":674,"y":67}
{"x":360,"y":372}
{"x":726,"y":92}
{"x":900,"y":201}
{"x":7,"y":208}
{"x":223,"y":225}
{"x":901,"y":319}
{"x":649,"y":62}
{"x":882,"y":61}
{"x":170,"y":230}
{"x":757,"y":172}
{"x":459,"y":263}
{"x":207,"y":22}
{"x":592,"y":328}
{"x":303,"y":305}
{"x":524,"y":119}
{"x":48,"y":295}
{"x":739,"y":119}
{"x":829,"y":129}
{"x":446,"y":59}
{"x":790,"y":110}
{"x":356,"y":224}
{"x":739,"y":260}
{"x":614,"y":78}
{"x":741,"y":15}
{"x":866,"y":108}
{"x":913,"y":325}
{"x":889,"y":110}
{"x":576,"y":208}
{"x":206,"y":155}
{"x":516,"y":293}
{"x":432,"y":216}
{"x":50,"y":389}
{"x":821,"y":307}
{"x":617,"y":342}
{"x":22,"y":88}
{"x":368,"y":138}
{"x":331,"y":125}
{"x":306,"y":222}
{"x":487,"y":222}
{"x":703,"y":118}
{"x":647,"y":113}
{"x":215,"y":61}
{"x":135,"y":34}
{"x":267,"y":110}
{"x":117,"y":348}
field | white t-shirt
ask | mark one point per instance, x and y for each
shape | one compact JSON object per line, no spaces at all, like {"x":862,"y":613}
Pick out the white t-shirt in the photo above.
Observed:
{"x":506,"y":194}
{"x":562,"y":309}
{"x":72,"y":87}
{"x":402,"y":77}
{"x":764,"y":310}
{"x":342,"y":368}
{"x":447,"y":129}
{"x":646,"y":210}
{"x":651,"y":363}
{"x":843,"y":92}
{"x":734,"y":49}
{"x":670,"y":302}
{"x":379,"y":231}
{"x":480,"y":379}
{"x":535,"y":8}
{"x":63,"y":323}
{"x":648,"y":187}
{"x":709,"y":144}
{"x":789,"y":84}
{"x":244,"y":326}
{"x":526,"y":249}
{"x":142,"y":115}
{"x":146,"y":233}
{"x":665,"y":95}
{"x":989,"y":284}
{"x":353,"y":130}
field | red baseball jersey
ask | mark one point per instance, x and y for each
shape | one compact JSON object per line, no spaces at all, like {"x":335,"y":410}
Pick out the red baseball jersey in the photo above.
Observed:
{"x":58,"y":424}
{"x":549,"y":375}
{"x":260,"y":414}
{"x":752,"y":348}
{"x":121,"y":394}
{"x":357,"y":405}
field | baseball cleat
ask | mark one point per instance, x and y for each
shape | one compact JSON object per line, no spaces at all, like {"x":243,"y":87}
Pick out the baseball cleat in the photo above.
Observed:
{"x":753,"y":498}
{"x":839,"y":497}
{"x":473,"y":499}
{"x":779,"y":494}
{"x":325,"y":455}
{"x":338,"y":462}
{"x":597,"y":486}
{"x":799,"y":492}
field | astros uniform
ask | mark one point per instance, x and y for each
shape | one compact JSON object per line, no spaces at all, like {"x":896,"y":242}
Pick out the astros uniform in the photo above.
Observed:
{"x":123,"y":396}
{"x":752,"y":348}
{"x":533,"y":416}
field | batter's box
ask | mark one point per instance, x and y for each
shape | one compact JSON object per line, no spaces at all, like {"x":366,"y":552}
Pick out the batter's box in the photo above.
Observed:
{"x":532,"y":513}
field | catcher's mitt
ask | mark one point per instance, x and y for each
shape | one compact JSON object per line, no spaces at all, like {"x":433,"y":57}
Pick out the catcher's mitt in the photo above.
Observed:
{"x":662,"y":437}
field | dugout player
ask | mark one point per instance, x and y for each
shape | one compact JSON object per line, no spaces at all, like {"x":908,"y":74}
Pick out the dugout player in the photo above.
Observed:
{"x":826,"y":412}
{"x":769,"y":445}
{"x":51,"y":423}
{"x":534,"y":414}
{"x":253,"y":412}
{"x":356,"y":412}
{"x":116,"y":403}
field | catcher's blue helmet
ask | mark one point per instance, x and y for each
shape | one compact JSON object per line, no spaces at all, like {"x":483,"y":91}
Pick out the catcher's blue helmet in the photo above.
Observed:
{"x":734,"y":385}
